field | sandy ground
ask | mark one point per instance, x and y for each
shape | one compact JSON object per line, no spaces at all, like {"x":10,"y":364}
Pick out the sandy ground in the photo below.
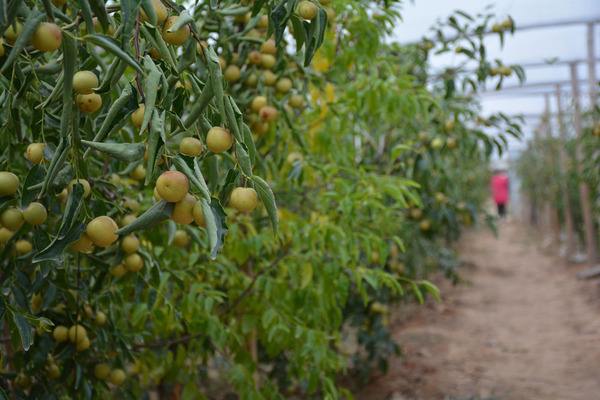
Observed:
{"x":522,"y":328}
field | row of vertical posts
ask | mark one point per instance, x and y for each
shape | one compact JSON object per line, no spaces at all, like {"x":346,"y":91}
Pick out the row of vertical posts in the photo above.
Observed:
{"x":590,"y":236}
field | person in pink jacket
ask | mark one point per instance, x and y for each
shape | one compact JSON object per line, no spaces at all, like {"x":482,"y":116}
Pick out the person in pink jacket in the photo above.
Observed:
{"x":500,"y":191}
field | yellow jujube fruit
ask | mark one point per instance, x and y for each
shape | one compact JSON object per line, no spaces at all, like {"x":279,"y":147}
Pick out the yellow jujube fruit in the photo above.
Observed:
{"x":130,"y":244}
{"x":179,"y":36}
{"x":137,"y":117}
{"x":181,"y":238}
{"x":117,"y":377}
{"x":89,"y":103}
{"x":182,"y":211}
{"x":218,"y":139}
{"x":198,"y":214}
{"x":9,"y":183}
{"x":35,"y":213}
{"x":159,"y":9}
{"x":47,"y":37}
{"x":35,"y":152}
{"x":190,"y":146}
{"x":12,"y":218}
{"x":101,"y":371}
{"x":243,"y":199}
{"x":87,"y":189}
{"x":77,"y":333}
{"x":84,"y":82}
{"x":60,"y":333}
{"x":83,"y":245}
{"x":102,"y":231}
{"x":134,"y":262}
{"x":172,"y":186}
{"x":23,"y":246}
{"x":257,"y":103}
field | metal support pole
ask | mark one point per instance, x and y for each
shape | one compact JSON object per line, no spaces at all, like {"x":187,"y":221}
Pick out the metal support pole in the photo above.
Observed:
{"x":591,"y":57}
{"x":548,"y":155}
{"x":584,"y":190}
{"x":564,"y":183}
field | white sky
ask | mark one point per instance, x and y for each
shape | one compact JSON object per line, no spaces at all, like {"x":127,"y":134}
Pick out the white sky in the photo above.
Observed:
{"x":566,"y":43}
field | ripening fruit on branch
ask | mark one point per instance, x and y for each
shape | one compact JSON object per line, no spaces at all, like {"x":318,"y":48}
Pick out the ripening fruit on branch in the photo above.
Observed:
{"x":263,"y":22}
{"x":83,"y":344}
{"x":100,"y":318}
{"x":269,"y":47}
{"x":118,"y":271}
{"x":172,"y":186}
{"x":133,"y":262}
{"x":257,"y":103}
{"x":60,"y":333}
{"x":190,"y":146}
{"x":307,"y":10}
{"x":437,"y":143}
{"x":254,"y":57}
{"x":139,"y":173}
{"x":284,"y":85}
{"x":101,"y":371}
{"x":268,"y":61}
{"x":89,"y":103}
{"x":182,"y":211}
{"x":9,"y":183}
{"x":451,"y":143}
{"x":35,"y":152}
{"x":232,"y":73}
{"x":159,"y":9}
{"x":2,"y":47}
{"x":36,"y":303}
{"x":35,"y":213}
{"x":181,"y":238}
{"x":117,"y":377}
{"x":47,"y":37}
{"x":243,"y":199}
{"x":218,"y":140}
{"x":12,"y":218}
{"x":137,"y":117}
{"x":83,"y":245}
{"x":128,"y":219}
{"x":178,"y":37}
{"x":198,"y":214}
{"x":130,"y":244}
{"x":102,"y":231}
{"x":77,"y":333}
{"x":84,"y":82}
{"x":269,"y":78}
{"x":5,"y":235}
{"x":425,"y":225}
{"x":87,"y":189}
{"x":449,"y":125}
{"x":12,"y":32}
{"x":268,"y":113}
{"x":23,"y":246}
{"x":296,"y":101}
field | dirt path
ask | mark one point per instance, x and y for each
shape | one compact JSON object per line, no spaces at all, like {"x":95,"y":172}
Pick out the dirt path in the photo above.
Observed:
{"x":524,"y":329}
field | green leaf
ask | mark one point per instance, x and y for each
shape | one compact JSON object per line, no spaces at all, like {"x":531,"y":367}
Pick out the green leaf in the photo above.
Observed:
{"x":117,"y":113}
{"x":268,"y":198}
{"x":69,"y":65}
{"x":193,"y":174}
{"x":110,"y":45}
{"x":243,"y":159}
{"x":183,"y":19}
{"x":306,"y":275}
{"x":99,"y":10}
{"x":120,"y":151}
{"x":215,"y":218}
{"x":86,"y":11}
{"x":150,"y":90}
{"x":34,"y":18}
{"x":159,"y":212}
{"x":155,"y":142}
{"x":34,"y":178}
{"x":25,"y":330}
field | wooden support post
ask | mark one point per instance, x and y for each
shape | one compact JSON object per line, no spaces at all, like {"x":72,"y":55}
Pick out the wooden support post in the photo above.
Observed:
{"x":584,"y":191}
{"x":564,"y":184}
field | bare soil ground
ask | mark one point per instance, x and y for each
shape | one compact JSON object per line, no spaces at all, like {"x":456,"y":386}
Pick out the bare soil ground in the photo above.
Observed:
{"x":521,"y":328}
